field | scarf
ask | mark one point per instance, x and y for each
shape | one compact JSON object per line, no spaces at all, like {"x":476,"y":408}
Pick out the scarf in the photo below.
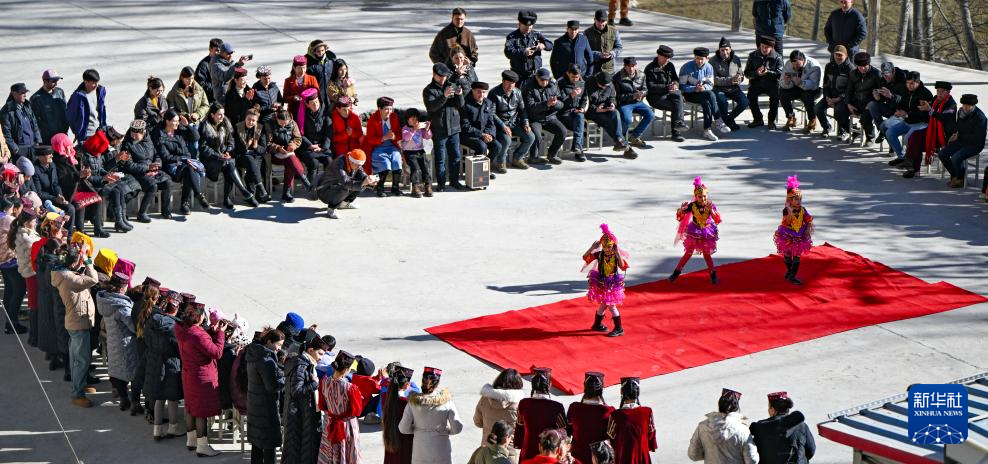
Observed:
{"x":934,"y":131}
{"x":61,"y":144}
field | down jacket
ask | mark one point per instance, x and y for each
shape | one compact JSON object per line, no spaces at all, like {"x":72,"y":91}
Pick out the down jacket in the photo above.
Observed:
{"x":723,"y":439}
{"x":199,"y":351}
{"x":265,"y":380}
{"x":22,"y":248}
{"x":303,"y":423}
{"x":163,"y":372}
{"x":783,"y":439}
{"x":80,"y":310}
{"x":121,"y":341}
{"x":432,"y":418}
{"x":496,"y":404}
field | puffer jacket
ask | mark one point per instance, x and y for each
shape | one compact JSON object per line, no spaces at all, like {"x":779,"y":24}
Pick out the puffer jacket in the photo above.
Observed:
{"x":163,"y":372}
{"x":176,"y":100}
{"x":724,"y":71}
{"x":80,"y":310}
{"x":835,"y":78}
{"x":723,"y":439}
{"x":496,"y":404}
{"x":121,"y":340}
{"x":860,"y":85}
{"x":432,"y":418}
{"x":626,"y":86}
{"x":265,"y":380}
{"x":22,"y":249}
{"x":783,"y":439}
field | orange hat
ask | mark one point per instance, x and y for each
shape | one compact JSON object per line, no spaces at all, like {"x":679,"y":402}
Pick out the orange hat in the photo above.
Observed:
{"x":357,"y":156}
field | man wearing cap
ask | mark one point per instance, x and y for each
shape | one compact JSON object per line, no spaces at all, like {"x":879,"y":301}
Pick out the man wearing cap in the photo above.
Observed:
{"x":20,"y":128}
{"x":771,"y":17}
{"x":86,"y":109}
{"x":886,"y":97}
{"x":728,"y":76}
{"x":723,"y":437}
{"x":763,"y":70}
{"x":602,"y":109}
{"x":343,"y":180}
{"x":800,"y":81}
{"x":543,"y":101}
{"x":605,"y":42}
{"x":454,"y":34}
{"x":202,"y":71}
{"x":588,"y":417}
{"x":662,"y":89}
{"x":48,"y":104}
{"x":319,"y":63}
{"x":942,"y":126}
{"x":523,"y":46}
{"x":571,"y":48}
{"x":629,"y":83}
{"x":509,"y":106}
{"x":45,"y":182}
{"x":696,"y":79}
{"x":479,"y":126}
{"x":835,"y":77}
{"x":443,"y":103}
{"x":864,"y":80}
{"x":221,"y":69}
{"x":784,"y":433}
{"x":267,"y":95}
{"x":431,"y":417}
{"x":908,"y":116}
{"x":572,"y":91}
{"x":73,"y":280}
{"x":845,"y":26}
{"x":967,"y":141}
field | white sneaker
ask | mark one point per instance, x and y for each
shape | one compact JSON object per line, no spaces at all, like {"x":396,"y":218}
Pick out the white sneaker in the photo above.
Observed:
{"x":723,"y":127}
{"x":347,"y":205}
{"x":332,"y":214}
{"x":845,"y":137}
{"x":203,"y":450}
{"x":709,"y":135}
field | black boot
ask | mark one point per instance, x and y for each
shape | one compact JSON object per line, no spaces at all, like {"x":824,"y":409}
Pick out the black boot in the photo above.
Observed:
{"x":142,"y":211}
{"x":305,"y":182}
{"x":261,"y":194}
{"x":788,"y":261}
{"x":379,"y":189}
{"x":618,"y":329}
{"x":792,"y":273}
{"x":228,"y":195}
{"x":675,"y":275}
{"x":396,"y":183}
{"x":286,"y":194}
{"x":97,"y":220}
{"x":597,"y":323}
{"x":203,"y":202}
{"x":713,"y":277}
{"x":166,"y":203}
{"x":120,"y":215}
{"x":239,"y":183}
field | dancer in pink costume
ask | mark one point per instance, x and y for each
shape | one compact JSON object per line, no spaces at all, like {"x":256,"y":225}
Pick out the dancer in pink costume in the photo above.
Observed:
{"x":794,"y":235}
{"x":698,"y":221}
{"x":606,"y":279}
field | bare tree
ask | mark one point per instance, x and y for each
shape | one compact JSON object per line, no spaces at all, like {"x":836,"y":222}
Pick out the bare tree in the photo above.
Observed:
{"x":874,"y":20}
{"x":972,"y":43}
{"x":918,"y":29}
{"x":735,"y":15}
{"x":816,"y":21}
{"x":928,"y":48}
{"x":905,"y":19}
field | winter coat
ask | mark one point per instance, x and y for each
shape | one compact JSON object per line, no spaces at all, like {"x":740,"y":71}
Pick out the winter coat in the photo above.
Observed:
{"x":11,"y":117}
{"x":220,"y":73}
{"x":318,"y":131}
{"x":293,"y":89}
{"x":281,"y":136}
{"x":909,"y":102}
{"x":449,"y":37}
{"x":598,"y":96}
{"x":723,"y":439}
{"x":163,"y":368}
{"x":255,"y":139}
{"x":432,"y":418}
{"x":444,"y":112}
{"x":897,"y":87}
{"x":847,"y":29}
{"x":494,"y":405}
{"x":835,"y":79}
{"x":634,"y":435}
{"x":237,"y":104}
{"x":535,"y":415}
{"x":515,"y":46}
{"x":201,"y":75}
{"x":73,"y":287}
{"x":860,"y":86}
{"x":78,"y":110}
{"x":342,"y":143}
{"x":772,"y":63}
{"x":173,"y":151}
{"x":724,"y":72}
{"x":146,"y":110}
{"x":265,"y":380}
{"x":604,"y":41}
{"x":142,"y":154}
{"x":691,"y":75}
{"x":463,"y":78}
{"x":971,"y":129}
{"x":809,"y":74}
{"x":266,"y":98}
{"x":45,"y":182}
{"x":570,"y":102}
{"x":492,"y":454}
{"x":626,"y":86}
{"x":214,"y":141}
{"x":658,"y":78}
{"x":121,"y":341}
{"x":510,"y":109}
{"x":587,"y":424}
{"x":783,"y":439}
{"x":48,"y":322}
{"x":49,"y":111}
{"x":375,"y":131}
{"x":322,"y":70}
{"x":337,"y":177}
{"x":199,"y":350}
{"x":177,"y":101}
{"x":22,"y":248}
{"x":238,"y":391}
{"x":566,"y":51}
{"x":303,"y":423}
{"x":224,"y":370}
{"x":771,"y":16}
{"x":477,"y":118}
{"x":537,"y":100}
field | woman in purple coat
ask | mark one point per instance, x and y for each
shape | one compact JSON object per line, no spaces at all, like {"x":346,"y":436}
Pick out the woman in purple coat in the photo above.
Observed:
{"x":199,"y":349}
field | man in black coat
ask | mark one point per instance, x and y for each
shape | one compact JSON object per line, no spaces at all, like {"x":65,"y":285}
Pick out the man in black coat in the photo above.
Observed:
{"x":265,"y":382}
{"x":20,"y":127}
{"x":443,"y":103}
{"x":784,"y":437}
{"x":763,"y":69}
{"x":509,"y":106}
{"x":571,"y":48}
{"x":845,"y":26}
{"x":317,"y":133}
{"x":629,"y":83}
{"x":45,"y":181}
{"x":455,"y":34}
{"x":479,"y":126}
{"x":523,"y":46}
{"x":543,"y":101}
{"x":864,"y":80}
{"x":319,"y":63}
{"x":834,"y":85}
{"x":602,"y":109}
{"x":662,"y":89}
{"x":202,"y":74}
{"x":343,"y":181}
{"x":572,"y":90}
{"x":48,"y":104}
{"x":886,"y":96}
{"x":771,"y":17}
{"x":968,"y":141}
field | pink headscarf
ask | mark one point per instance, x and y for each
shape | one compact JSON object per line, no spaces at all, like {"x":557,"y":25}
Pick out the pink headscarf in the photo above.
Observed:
{"x":300,"y":117}
{"x":61,"y":144}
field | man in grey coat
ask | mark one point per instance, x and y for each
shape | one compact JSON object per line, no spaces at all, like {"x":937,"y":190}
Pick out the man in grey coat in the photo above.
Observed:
{"x":222,"y":68}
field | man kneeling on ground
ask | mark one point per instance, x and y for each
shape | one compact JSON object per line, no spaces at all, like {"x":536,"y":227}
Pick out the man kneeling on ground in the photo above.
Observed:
{"x":343,"y":181}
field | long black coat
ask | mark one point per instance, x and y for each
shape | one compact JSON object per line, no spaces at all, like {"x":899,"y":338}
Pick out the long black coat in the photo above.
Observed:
{"x":783,"y":439}
{"x":47,"y":325}
{"x":444,"y":112}
{"x":303,"y":423}
{"x":265,"y":380}
{"x":163,"y":370}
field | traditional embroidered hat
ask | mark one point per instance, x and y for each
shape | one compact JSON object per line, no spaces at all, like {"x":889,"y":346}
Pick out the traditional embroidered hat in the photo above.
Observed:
{"x":593,"y":383}
{"x":343,"y":360}
{"x":606,"y":235}
{"x":541,"y":379}
{"x":778,"y":396}
{"x":299,"y":60}
{"x":728,"y":393}
{"x":401,"y":374}
{"x":188,"y":298}
{"x":630,"y":388}
{"x":239,"y":72}
{"x":152,"y":282}
{"x":138,"y":125}
{"x":263,"y":71}
{"x":432,"y":371}
{"x":119,"y":278}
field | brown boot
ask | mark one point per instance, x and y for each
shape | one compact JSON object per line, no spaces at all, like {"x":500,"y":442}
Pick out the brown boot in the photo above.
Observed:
{"x":428,"y":190}
{"x":415,"y":191}
{"x":790,"y":124}
{"x":809,"y":127}
{"x":956,"y":182}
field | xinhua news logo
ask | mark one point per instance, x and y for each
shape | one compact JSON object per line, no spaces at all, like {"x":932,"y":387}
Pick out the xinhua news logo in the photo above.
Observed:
{"x":938,"y":414}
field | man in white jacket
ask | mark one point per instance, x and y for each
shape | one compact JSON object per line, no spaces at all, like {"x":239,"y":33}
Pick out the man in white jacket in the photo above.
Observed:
{"x":431,"y":416}
{"x":723,"y":437}
{"x":800,"y":81}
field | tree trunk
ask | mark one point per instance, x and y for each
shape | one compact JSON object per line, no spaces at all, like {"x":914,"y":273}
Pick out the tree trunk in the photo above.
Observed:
{"x":928,"y":48}
{"x":972,"y":43}
{"x":736,"y":15}
{"x":905,"y":18}
{"x":816,"y":21}
{"x":953,"y":32}
{"x":874,"y":18}
{"x":918,"y":29}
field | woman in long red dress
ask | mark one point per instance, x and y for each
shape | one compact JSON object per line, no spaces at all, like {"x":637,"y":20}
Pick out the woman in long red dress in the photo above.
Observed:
{"x":397,"y":445}
{"x":588,"y":417}
{"x":537,"y":414}
{"x":341,"y":401}
{"x":199,"y":349}
{"x":631,"y":428}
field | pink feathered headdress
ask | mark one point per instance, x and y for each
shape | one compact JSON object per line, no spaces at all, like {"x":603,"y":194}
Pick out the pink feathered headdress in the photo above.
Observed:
{"x":792,"y":188}
{"x":698,"y":185}
{"x":607,"y":234}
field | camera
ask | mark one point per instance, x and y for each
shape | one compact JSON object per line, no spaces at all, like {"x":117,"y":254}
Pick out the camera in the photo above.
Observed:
{"x":250,"y":57}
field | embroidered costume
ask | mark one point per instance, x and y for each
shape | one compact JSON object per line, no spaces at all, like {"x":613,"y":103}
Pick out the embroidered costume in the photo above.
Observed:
{"x":607,"y":263}
{"x":698,"y":221}
{"x":794,"y":235}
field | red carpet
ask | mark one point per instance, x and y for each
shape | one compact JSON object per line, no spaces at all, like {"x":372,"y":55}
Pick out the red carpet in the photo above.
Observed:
{"x":670,"y":327}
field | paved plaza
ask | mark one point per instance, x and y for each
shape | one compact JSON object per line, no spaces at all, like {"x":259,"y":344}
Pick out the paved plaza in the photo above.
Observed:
{"x":382,"y":273}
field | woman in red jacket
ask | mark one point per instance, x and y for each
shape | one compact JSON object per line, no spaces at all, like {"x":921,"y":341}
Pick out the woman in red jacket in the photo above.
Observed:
{"x":347,"y":132}
{"x":550,"y":448}
{"x":632,"y":428}
{"x":383,"y":134}
{"x":296,"y":83}
{"x":199,"y":349}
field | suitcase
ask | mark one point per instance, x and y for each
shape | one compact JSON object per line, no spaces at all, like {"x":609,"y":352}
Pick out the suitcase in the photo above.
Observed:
{"x":477,"y":171}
